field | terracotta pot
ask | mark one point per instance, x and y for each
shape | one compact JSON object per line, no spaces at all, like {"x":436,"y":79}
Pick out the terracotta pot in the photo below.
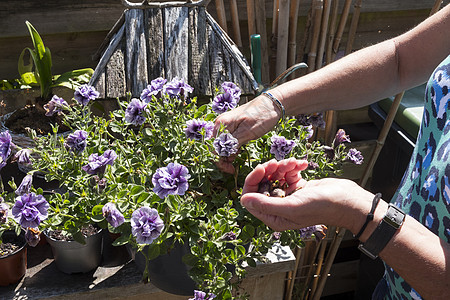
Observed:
{"x":72,"y":257}
{"x":167,"y":272}
{"x":13,"y":266}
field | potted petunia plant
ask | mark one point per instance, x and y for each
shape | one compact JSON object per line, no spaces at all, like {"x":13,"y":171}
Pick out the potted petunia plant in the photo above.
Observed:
{"x":148,"y":173}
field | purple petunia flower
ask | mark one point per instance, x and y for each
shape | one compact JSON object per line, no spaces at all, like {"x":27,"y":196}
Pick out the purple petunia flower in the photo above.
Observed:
{"x":146,"y":225}
{"x":97,"y":163}
{"x":76,"y":142}
{"x":316,"y":120}
{"x":32,"y":236}
{"x":112,"y":215}
{"x":340,"y":138}
{"x":171,"y":180}
{"x":224,"y":102}
{"x":4,"y":209}
{"x":55,"y":105}
{"x":25,"y":185}
{"x":355,"y":156}
{"x":226,"y":144}
{"x":85,"y":93}
{"x":310,"y":131}
{"x":29,"y":210}
{"x":200,"y":295}
{"x":23,"y":157}
{"x":194,"y":129}
{"x":281,"y":146}
{"x":307,"y":232}
{"x":177,"y":88}
{"x":133,"y":113}
{"x":5,"y":147}
{"x":155,"y":88}
{"x":233,"y":89}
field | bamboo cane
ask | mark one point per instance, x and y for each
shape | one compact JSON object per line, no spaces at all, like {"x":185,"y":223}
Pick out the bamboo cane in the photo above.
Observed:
{"x":251,"y":17}
{"x":260,"y":13}
{"x":323,"y":32}
{"x":311,"y":258}
{"x":341,"y":27}
{"x":353,"y":27}
{"x":235,"y":23}
{"x":317,"y":16}
{"x":282,"y":37}
{"x":293,"y":20}
{"x":299,"y":255}
{"x":222,"y":18}
{"x":332,"y":31}
{"x":436,"y":7}
{"x":320,"y":258}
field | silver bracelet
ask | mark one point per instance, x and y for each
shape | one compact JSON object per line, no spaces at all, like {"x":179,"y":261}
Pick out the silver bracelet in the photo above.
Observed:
{"x":277,"y":104}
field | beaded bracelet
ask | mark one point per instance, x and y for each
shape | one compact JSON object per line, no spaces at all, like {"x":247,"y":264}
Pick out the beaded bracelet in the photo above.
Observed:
{"x":277,"y":104}
{"x":369,"y":218}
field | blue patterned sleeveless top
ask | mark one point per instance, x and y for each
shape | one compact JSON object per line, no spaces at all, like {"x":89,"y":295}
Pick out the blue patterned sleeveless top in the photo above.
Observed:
{"x":424,"y":192}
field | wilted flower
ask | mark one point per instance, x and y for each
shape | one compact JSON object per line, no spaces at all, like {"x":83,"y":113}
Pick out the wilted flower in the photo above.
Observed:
{"x":76,"y":142}
{"x":85,"y":93}
{"x":281,"y":146}
{"x":312,"y":165}
{"x":223,"y":102}
{"x":23,"y":157}
{"x":55,"y":105}
{"x":340,"y":138}
{"x":155,"y":88}
{"x":315,"y":120}
{"x":276,"y":235}
{"x":97,"y":164}
{"x":112,"y":214}
{"x":329,"y":152}
{"x":171,"y":180}
{"x":146,"y":225}
{"x":25,"y":185}
{"x":4,"y":208}
{"x":5,"y":147}
{"x":226,"y":144}
{"x":230,"y":87}
{"x":319,"y":232}
{"x":229,"y":236}
{"x":177,"y":88}
{"x":200,"y":295}
{"x":32,"y":236}
{"x":355,"y":156}
{"x":194,"y":129}
{"x":133,"y":113}
{"x":30,"y":209}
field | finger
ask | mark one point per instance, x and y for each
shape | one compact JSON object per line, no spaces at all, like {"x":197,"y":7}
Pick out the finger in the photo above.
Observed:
{"x":295,"y":186}
{"x":253,"y":179}
{"x":284,"y":166}
{"x":294,"y":175}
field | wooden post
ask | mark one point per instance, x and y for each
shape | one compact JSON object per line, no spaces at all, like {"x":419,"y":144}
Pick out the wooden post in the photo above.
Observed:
{"x":317,"y":17}
{"x":251,"y":17}
{"x":332,"y":31}
{"x":293,"y":20}
{"x":222,"y":17}
{"x":323,"y":32}
{"x":283,"y":36}
{"x":261,"y":29}
{"x":235,"y":23}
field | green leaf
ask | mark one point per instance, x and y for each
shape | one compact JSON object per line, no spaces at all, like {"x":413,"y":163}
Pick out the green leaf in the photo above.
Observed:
{"x":121,"y":240}
{"x":97,"y":213}
{"x":137,"y":190}
{"x":251,"y":262}
{"x":153,"y":251}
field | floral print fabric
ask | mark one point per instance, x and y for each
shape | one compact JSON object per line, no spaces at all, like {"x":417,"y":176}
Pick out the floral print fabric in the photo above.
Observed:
{"x":424,"y":192}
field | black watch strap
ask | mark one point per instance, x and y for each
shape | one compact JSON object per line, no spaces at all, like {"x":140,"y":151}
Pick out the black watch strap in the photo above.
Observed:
{"x":384,"y":232}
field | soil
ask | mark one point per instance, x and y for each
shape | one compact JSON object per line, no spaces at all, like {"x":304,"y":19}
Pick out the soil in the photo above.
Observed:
{"x":33,"y":116}
{"x":59,"y":236}
{"x":7,"y":248}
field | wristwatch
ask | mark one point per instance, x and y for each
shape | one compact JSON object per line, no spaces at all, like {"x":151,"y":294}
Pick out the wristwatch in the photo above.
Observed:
{"x":390,"y":223}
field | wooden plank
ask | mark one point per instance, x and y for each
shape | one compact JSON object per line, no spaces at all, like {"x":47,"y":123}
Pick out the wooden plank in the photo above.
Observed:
{"x":217,"y":69}
{"x":115,"y":74}
{"x":199,"y":77}
{"x":176,"y":35}
{"x":100,"y":85}
{"x":155,"y":51}
{"x":136,"y":52}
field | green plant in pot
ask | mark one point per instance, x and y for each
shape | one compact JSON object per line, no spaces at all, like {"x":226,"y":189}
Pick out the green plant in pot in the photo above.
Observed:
{"x":165,"y":190}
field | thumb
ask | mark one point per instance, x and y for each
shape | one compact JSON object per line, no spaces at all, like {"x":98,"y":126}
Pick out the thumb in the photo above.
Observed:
{"x":257,"y":203}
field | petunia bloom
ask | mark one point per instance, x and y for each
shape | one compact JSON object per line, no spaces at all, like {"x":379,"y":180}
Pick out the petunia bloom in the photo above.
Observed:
{"x":155,"y":88}
{"x":355,"y":156}
{"x":55,"y":105}
{"x":112,"y":214}
{"x":4,"y":209}
{"x":178,"y":88}
{"x":194,"y":129}
{"x":171,"y":180}
{"x":134,"y":112}
{"x":32,"y":236}
{"x":76,"y":142}
{"x":146,"y":225}
{"x":281,"y":146}
{"x":30,"y":209}
{"x":200,"y":295}
{"x":85,"y":93}
{"x":25,"y":185}
{"x":310,"y":131}
{"x":224,"y":102}
{"x":97,"y":163}
{"x":232,"y":88}
{"x":226,"y":144}
{"x":316,"y":120}
{"x":340,"y":138}
{"x":23,"y":157}
{"x":5,"y":147}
